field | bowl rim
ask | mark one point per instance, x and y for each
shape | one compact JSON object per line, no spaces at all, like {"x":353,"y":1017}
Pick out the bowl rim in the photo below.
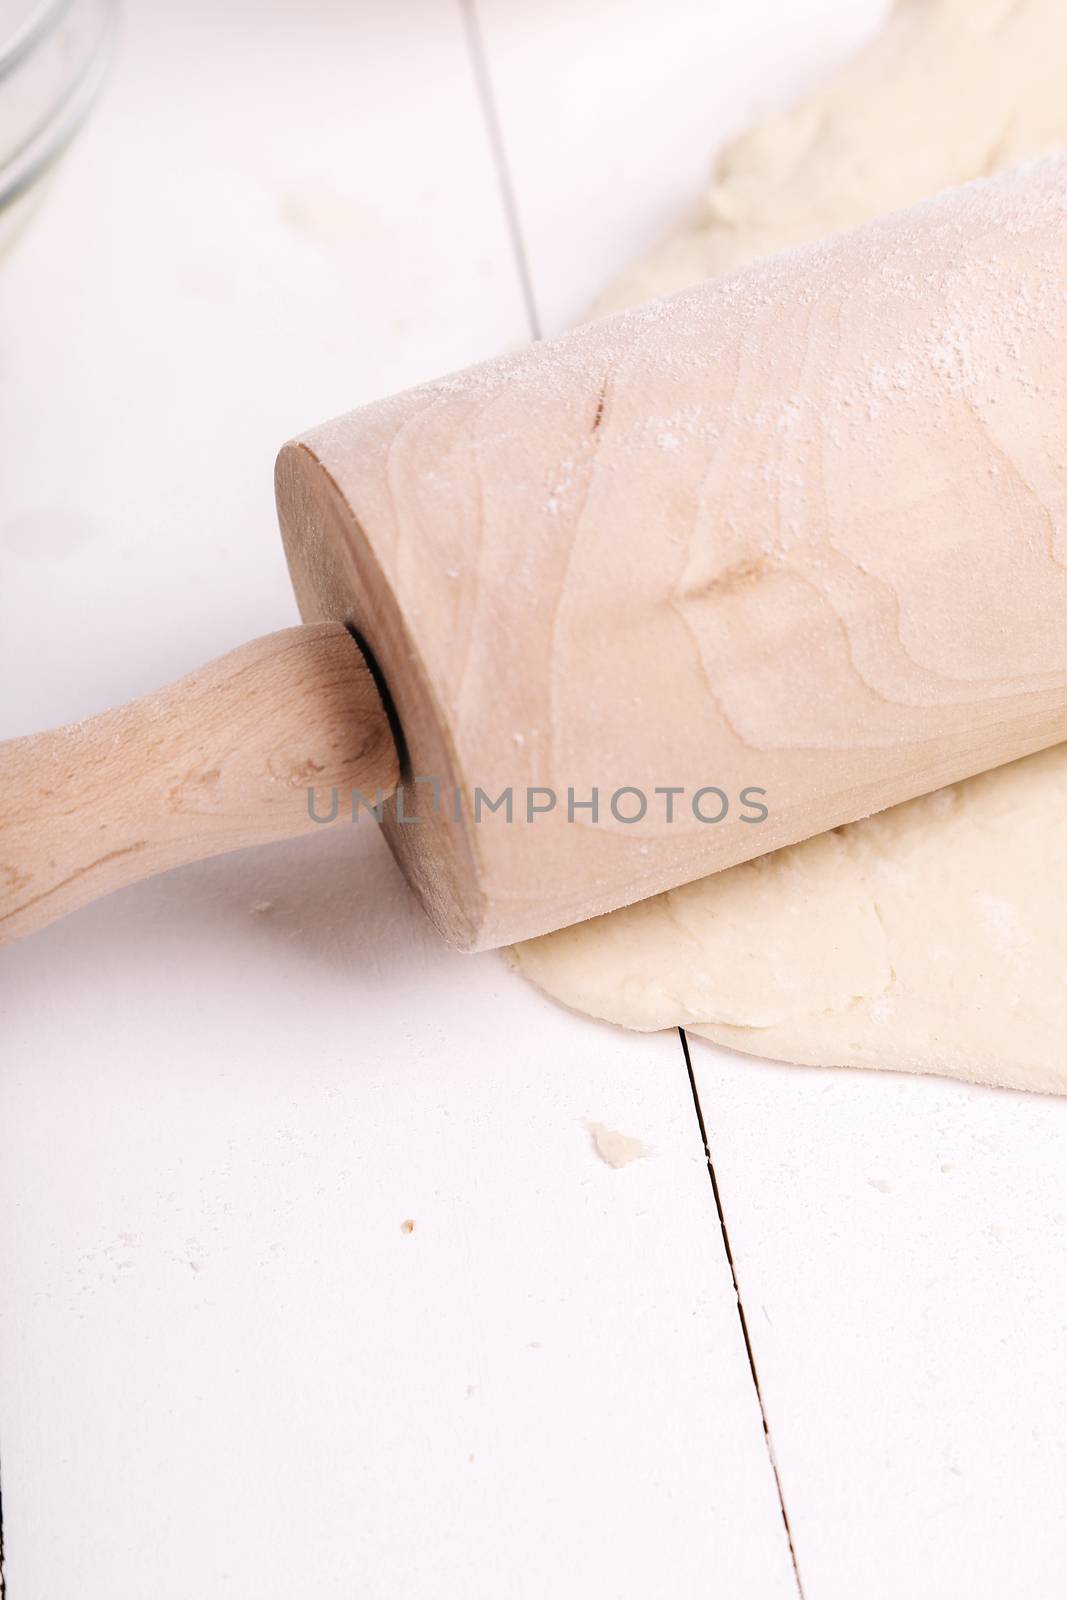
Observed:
{"x":46,"y":142}
{"x":33,"y":28}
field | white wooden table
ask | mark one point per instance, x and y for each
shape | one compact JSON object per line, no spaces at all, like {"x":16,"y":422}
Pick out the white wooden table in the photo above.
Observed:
{"x":226,"y":1368}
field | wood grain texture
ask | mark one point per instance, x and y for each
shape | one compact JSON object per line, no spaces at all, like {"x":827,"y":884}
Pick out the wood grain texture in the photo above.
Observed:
{"x":800,"y":529}
{"x":217,"y":761}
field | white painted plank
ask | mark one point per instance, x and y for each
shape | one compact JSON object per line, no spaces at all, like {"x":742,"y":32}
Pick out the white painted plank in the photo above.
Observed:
{"x":899,"y":1251}
{"x":224,"y":1366}
{"x":610,"y":111}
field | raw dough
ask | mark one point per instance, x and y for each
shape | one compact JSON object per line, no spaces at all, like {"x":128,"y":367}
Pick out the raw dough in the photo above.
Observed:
{"x":951,"y":90}
{"x":614,"y":1148}
{"x":929,"y":938}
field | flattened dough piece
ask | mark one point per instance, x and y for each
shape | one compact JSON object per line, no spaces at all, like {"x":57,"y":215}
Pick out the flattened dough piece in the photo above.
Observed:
{"x":933,"y":937}
{"x":951,"y":90}
{"x":929,"y":938}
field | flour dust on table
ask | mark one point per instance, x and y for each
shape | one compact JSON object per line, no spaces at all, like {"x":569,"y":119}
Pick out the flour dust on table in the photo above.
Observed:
{"x":931,"y":937}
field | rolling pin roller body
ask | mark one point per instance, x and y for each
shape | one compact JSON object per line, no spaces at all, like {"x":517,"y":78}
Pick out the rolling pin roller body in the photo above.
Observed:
{"x":804,"y":528}
{"x":802,"y":531}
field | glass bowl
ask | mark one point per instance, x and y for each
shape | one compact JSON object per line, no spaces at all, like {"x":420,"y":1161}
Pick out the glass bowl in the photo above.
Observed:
{"x":53,"y":57}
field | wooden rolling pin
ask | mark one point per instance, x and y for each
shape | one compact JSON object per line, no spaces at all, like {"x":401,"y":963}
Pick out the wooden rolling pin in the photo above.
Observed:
{"x":797,"y":536}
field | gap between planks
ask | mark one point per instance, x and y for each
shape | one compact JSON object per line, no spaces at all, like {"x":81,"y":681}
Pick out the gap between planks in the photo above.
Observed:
{"x":483,"y":82}
{"x":494,"y":133}
{"x":741,"y":1317}
{"x":3,"y":1582}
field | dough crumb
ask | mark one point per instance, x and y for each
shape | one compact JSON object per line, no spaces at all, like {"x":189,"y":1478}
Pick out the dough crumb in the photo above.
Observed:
{"x":408,"y":1226}
{"x":261,"y":907}
{"x":616,"y":1149}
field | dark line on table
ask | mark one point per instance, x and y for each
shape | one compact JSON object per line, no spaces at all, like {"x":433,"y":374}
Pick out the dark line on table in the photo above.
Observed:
{"x":740,"y":1309}
{"x":480,"y":64}
{"x":3,"y":1580}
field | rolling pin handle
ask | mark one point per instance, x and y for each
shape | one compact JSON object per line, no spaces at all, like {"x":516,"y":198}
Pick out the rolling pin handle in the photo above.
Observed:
{"x":222,"y":759}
